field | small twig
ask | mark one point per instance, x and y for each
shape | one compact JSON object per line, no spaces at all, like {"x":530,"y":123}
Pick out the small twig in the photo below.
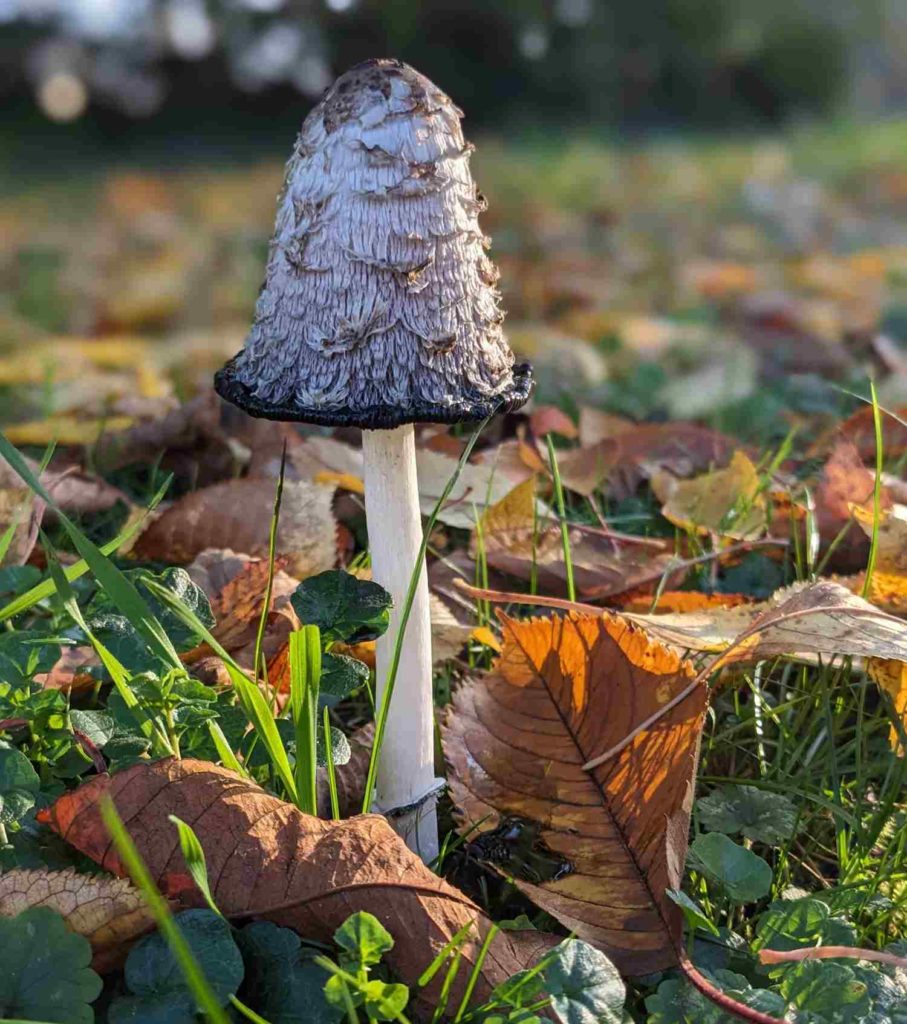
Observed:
{"x":778,"y":956}
{"x":512,"y":597}
{"x":719,"y":998}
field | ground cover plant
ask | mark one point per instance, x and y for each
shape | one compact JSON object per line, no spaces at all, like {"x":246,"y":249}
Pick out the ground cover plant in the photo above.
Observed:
{"x":667,"y":606}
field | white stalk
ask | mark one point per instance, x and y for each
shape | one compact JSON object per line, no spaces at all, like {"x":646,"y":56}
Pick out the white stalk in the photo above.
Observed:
{"x":406,"y":766}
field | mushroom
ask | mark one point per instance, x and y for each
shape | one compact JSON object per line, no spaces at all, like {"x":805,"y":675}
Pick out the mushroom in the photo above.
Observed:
{"x":379,"y":310}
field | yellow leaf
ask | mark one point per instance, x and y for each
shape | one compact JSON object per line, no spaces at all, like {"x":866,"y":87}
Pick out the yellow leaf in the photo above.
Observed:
{"x":65,"y":430}
{"x":483,"y":635}
{"x":726,"y":501}
{"x":344,"y":481}
{"x":891,"y":676}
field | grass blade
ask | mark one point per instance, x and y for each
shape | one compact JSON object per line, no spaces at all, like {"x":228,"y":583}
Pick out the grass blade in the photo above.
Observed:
{"x":562,"y":516}
{"x":117,"y":586}
{"x":41,"y":591}
{"x":329,"y":758}
{"x":194,"y":856}
{"x":305,"y":674}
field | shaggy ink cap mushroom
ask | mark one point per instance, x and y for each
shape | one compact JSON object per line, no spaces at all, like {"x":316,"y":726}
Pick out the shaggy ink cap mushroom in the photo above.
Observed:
{"x":379,"y":306}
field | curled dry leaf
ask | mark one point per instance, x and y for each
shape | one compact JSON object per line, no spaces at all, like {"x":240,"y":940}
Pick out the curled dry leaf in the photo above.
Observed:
{"x":267,"y":859}
{"x":822,"y":618}
{"x":107,"y":911}
{"x":726,"y":502}
{"x":237,"y":514}
{"x":564,"y":691}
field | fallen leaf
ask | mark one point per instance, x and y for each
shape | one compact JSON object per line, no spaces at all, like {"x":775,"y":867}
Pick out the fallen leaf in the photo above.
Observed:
{"x":565,"y":690}
{"x":237,"y":514}
{"x":891,"y":676}
{"x":267,"y":859}
{"x":69,"y":671}
{"x":595,"y":426}
{"x":726,"y":502}
{"x":107,"y":911}
{"x":21,"y":513}
{"x":844,"y":482}
{"x":822,"y":618}
{"x":681,"y":601}
{"x":888,"y":585}
{"x":235,"y":585}
{"x":859,"y":430}
{"x":66,"y":430}
{"x":549,"y":419}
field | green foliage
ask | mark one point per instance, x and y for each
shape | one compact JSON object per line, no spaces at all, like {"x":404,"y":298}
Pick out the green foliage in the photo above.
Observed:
{"x":24,"y":653}
{"x":677,"y":1002}
{"x":754,"y":813}
{"x":363,"y":939}
{"x":693,"y":914}
{"x":44,"y":970}
{"x":19,"y":784}
{"x":282,"y":981}
{"x":344,"y":608}
{"x":744,"y":876}
{"x":156,"y":982}
{"x":584,"y":986}
{"x":792,"y":924}
{"x":121,"y":637}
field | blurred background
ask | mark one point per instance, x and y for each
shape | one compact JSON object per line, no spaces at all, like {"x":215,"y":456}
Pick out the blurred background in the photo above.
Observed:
{"x":698,"y":205}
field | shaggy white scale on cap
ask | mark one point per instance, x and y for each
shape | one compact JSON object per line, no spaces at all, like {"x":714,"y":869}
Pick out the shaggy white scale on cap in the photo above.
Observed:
{"x":379,"y":306}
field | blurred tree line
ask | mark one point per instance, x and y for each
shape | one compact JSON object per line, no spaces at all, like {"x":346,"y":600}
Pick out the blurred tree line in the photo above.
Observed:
{"x":627,"y":63}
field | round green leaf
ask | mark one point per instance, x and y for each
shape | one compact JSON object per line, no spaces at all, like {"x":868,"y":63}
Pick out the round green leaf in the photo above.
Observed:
{"x":384,"y":1001}
{"x":340,"y":676}
{"x":364,"y":938}
{"x":45,"y":971}
{"x":152,"y":972}
{"x":343,"y":607}
{"x":753,"y":813}
{"x":283,"y":985}
{"x":584,"y":986}
{"x":743,"y":876}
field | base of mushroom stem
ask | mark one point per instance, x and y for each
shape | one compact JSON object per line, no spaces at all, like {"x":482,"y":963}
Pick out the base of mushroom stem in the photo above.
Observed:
{"x":417,"y":822}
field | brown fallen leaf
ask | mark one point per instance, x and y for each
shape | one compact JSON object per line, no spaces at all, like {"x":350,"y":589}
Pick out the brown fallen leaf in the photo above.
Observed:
{"x":622,"y":461}
{"x":681,"y":601}
{"x":69,"y":672}
{"x":859,"y":430}
{"x":236,"y":586}
{"x":107,"y":911}
{"x":237,"y":514}
{"x":267,"y":859}
{"x":844,"y":483}
{"x":21,"y":513}
{"x":595,"y":426}
{"x":564,"y":690}
{"x":518,"y":537}
{"x":549,"y":419}
{"x":725,"y":502}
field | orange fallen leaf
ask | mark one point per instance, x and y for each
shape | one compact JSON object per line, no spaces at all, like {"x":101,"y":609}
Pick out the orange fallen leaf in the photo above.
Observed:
{"x":267,"y":859}
{"x":564,"y":690}
{"x":549,"y":419}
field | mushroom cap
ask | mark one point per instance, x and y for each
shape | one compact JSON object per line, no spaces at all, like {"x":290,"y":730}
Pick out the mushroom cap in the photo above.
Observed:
{"x":379,"y":305}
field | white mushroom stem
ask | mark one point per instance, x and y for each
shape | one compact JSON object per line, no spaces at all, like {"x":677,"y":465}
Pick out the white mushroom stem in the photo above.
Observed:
{"x":406,"y":766}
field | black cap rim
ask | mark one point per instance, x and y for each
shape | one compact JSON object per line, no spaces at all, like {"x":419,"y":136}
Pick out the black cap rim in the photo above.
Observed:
{"x":466,"y":409}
